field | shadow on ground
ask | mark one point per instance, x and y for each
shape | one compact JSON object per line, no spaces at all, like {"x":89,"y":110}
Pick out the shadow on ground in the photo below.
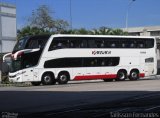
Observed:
{"x":83,"y":104}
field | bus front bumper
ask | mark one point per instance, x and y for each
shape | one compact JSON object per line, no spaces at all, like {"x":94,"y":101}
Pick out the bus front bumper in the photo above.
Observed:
{"x":15,"y":77}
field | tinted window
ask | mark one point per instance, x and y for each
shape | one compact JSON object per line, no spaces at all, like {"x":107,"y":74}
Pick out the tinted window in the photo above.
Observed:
{"x":68,"y":42}
{"x":32,"y":44}
{"x":90,"y":62}
{"x":149,"y":60}
{"x":149,"y":43}
{"x":93,"y":42}
{"x":100,"y":43}
{"x":82,"y":62}
{"x":20,"y":45}
{"x":77,"y":42}
{"x":58,"y":43}
{"x":36,"y":42}
{"x":63,"y":62}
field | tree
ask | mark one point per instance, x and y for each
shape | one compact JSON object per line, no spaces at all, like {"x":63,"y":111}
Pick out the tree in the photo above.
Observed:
{"x":102,"y":31}
{"x":31,"y":31}
{"x":43,"y":18}
{"x":118,"y":32}
{"x":61,"y":26}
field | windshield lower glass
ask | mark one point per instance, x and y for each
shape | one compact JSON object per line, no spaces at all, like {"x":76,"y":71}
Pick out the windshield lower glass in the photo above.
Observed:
{"x":15,"y":65}
{"x":25,"y":61}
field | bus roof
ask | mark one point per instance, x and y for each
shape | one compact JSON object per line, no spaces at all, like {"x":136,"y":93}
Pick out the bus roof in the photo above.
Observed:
{"x":109,"y":36}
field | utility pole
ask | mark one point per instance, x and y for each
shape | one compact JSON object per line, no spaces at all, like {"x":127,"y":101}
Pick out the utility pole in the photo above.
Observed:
{"x":70,"y":14}
{"x":127,"y":13}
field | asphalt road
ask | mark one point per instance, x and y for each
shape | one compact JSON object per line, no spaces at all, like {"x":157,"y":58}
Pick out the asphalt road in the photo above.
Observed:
{"x":79,"y":95}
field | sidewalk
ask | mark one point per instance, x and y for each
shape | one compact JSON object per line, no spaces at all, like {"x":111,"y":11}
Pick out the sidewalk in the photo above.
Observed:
{"x":15,"y":84}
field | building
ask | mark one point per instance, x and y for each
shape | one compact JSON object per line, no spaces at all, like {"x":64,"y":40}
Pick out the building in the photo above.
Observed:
{"x":144,"y":31}
{"x":147,"y":31}
{"x":7,"y":27}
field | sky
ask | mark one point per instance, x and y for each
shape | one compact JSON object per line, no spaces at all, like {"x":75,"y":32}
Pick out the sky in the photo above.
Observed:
{"x":92,"y":14}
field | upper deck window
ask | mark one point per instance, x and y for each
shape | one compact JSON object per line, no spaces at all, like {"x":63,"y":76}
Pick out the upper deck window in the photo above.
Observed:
{"x":100,"y":42}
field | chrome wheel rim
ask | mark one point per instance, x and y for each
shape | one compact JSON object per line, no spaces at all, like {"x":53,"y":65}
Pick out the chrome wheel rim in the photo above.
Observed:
{"x":121,"y":76}
{"x":47,"y":78}
{"x":63,"y":77}
{"x":134,"y":75}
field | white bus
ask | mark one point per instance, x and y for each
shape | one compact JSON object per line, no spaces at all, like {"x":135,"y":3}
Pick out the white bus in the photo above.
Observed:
{"x":85,"y":57}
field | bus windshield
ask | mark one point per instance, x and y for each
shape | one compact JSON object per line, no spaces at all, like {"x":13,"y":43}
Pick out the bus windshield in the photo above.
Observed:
{"x":25,"y":61}
{"x":20,"y":44}
{"x":31,"y":42}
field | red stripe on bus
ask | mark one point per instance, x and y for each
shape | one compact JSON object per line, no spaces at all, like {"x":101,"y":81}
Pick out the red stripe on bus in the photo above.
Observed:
{"x":141,"y":75}
{"x":90,"y":77}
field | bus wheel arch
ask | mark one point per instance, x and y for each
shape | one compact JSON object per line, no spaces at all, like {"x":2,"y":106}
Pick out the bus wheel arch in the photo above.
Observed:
{"x":48,"y":78}
{"x":121,"y":75}
{"x":134,"y":74}
{"x":63,"y":77}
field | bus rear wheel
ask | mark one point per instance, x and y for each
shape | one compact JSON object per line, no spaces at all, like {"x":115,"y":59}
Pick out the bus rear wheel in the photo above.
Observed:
{"x":63,"y":78}
{"x":48,"y":79}
{"x":35,"y":83}
{"x":121,"y":75}
{"x":134,"y":75}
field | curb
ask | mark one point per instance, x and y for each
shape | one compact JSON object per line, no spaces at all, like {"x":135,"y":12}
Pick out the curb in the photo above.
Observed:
{"x":16,"y":85}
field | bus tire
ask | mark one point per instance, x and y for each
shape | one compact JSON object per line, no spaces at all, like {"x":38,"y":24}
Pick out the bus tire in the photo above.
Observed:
{"x":121,"y":75}
{"x":35,"y":83}
{"x":134,"y":75}
{"x":107,"y":80}
{"x":63,"y":78}
{"x":48,"y":79}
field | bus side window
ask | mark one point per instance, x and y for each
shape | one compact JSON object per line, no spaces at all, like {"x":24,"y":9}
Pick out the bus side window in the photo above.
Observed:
{"x":83,"y":44}
{"x":149,"y":43}
{"x":90,"y":62}
{"x":113,"y":44}
{"x":99,"y":43}
{"x":32,"y":44}
{"x":53,"y":45}
{"x":58,"y":44}
{"x":75,"y":43}
{"x":41,"y":43}
{"x":92,"y":43}
{"x":123,"y":45}
{"x":132,"y":45}
{"x":140,"y":44}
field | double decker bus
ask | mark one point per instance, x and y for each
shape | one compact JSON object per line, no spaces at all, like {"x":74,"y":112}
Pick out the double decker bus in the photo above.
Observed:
{"x":84,"y":57}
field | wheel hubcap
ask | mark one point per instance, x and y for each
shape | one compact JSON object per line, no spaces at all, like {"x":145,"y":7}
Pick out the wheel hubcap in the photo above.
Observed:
{"x":63,"y":77}
{"x":121,"y":76}
{"x":134,"y":75}
{"x":47,"y":78}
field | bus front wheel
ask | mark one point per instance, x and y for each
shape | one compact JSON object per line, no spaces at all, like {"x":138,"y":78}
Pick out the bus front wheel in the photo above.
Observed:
{"x":48,"y":79}
{"x":63,"y":78}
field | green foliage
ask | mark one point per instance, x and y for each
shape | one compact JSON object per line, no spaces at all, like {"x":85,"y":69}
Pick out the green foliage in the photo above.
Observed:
{"x":28,"y":31}
{"x":100,"y":31}
{"x":42,"y":22}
